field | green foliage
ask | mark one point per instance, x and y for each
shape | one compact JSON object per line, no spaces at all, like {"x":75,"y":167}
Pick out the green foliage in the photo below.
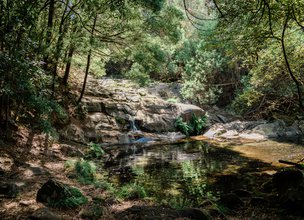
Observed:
{"x":267,"y":89}
{"x":105,"y":185}
{"x":152,"y":54}
{"x":96,"y":68}
{"x":84,"y":170}
{"x":39,"y":40}
{"x":131,"y":191}
{"x":169,"y":31}
{"x":200,"y":75}
{"x":73,"y":199}
{"x":246,"y":101}
{"x":96,"y":151}
{"x":269,"y":50}
{"x":154,"y":5}
{"x":182,"y":126}
{"x":26,"y":84}
{"x":138,"y":74}
{"x":194,"y":127}
{"x":172,"y":100}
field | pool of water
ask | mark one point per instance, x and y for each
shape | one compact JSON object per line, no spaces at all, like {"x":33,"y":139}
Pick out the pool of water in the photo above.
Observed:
{"x":189,"y":173}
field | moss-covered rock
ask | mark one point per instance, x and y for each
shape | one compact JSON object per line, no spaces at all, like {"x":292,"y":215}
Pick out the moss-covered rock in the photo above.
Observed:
{"x":57,"y":194}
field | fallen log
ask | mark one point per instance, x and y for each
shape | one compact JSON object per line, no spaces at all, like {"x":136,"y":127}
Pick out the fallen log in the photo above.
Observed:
{"x":297,"y":165}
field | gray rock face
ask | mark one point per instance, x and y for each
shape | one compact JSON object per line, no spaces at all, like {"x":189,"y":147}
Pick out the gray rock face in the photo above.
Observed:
{"x":257,"y":130}
{"x":116,"y":107}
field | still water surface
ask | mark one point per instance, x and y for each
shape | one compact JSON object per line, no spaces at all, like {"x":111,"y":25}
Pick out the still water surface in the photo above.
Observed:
{"x":189,"y":173}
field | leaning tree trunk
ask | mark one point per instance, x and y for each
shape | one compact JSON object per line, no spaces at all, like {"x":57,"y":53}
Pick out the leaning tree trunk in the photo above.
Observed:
{"x":88,"y":62}
{"x":68,"y":65}
{"x":297,"y":83}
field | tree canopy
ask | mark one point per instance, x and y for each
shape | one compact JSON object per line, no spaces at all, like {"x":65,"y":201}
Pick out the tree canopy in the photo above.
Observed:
{"x":247,"y":55}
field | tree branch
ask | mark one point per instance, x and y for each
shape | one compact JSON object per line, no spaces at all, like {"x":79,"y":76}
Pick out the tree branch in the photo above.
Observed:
{"x":288,"y":65}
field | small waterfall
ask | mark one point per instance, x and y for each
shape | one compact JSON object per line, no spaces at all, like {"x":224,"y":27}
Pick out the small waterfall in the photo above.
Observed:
{"x":132,"y":125}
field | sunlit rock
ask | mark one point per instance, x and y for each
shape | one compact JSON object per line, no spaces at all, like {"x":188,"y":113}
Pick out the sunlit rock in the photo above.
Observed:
{"x":117,"y":107}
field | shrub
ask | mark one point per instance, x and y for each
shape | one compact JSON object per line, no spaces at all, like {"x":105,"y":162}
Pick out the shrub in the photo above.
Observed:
{"x":74,"y":199}
{"x":194,"y":127}
{"x":200,"y":76}
{"x":138,"y":74}
{"x":96,"y":151}
{"x":26,"y":85}
{"x":85,"y":170}
{"x":131,"y":191}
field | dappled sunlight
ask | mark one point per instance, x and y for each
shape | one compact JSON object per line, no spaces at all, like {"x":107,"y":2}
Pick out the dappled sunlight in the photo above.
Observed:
{"x":6,"y":162}
{"x":55,"y":166}
{"x":272,"y":151}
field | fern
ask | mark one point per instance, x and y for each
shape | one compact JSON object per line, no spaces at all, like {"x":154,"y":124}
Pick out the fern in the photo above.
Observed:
{"x":96,"y":151}
{"x":194,"y":127}
{"x":86,"y":171}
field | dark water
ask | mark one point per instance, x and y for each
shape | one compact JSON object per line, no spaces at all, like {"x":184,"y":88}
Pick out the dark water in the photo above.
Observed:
{"x":184,"y":174}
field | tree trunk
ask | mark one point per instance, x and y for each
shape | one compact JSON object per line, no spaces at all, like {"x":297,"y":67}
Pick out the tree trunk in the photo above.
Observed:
{"x":88,"y":62}
{"x":289,"y":67}
{"x":68,"y":65}
{"x":1,"y":19}
{"x":61,"y":33}
{"x":49,"y":32}
{"x":7,"y":112}
{"x":1,"y":106}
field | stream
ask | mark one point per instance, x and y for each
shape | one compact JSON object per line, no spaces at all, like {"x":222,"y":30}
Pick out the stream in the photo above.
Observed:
{"x":186,"y":174}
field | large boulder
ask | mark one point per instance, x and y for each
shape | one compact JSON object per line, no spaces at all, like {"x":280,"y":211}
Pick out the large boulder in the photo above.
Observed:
{"x":289,"y":186}
{"x":57,"y":194}
{"x":8,"y":190}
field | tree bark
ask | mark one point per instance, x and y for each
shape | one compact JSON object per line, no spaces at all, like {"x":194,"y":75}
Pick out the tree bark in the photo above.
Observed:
{"x":49,"y":32}
{"x":88,"y":62}
{"x":68,"y":65}
{"x":289,"y":67}
{"x":1,"y":18}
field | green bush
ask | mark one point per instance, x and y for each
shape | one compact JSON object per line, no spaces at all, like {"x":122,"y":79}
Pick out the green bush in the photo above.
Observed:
{"x":200,"y":76}
{"x":27,"y":85}
{"x":131,"y":191}
{"x":138,"y":74}
{"x":84,"y":170}
{"x":194,"y":127}
{"x":96,"y":151}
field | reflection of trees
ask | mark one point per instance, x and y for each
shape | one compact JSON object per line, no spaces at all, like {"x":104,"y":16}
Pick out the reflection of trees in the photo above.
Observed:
{"x":186,"y":174}
{"x":174,"y":174}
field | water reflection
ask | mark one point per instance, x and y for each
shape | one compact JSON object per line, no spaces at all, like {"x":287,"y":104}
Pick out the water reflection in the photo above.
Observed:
{"x":183,"y":174}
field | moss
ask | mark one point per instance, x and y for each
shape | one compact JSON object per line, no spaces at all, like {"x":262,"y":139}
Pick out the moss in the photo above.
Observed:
{"x":72,"y":199}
